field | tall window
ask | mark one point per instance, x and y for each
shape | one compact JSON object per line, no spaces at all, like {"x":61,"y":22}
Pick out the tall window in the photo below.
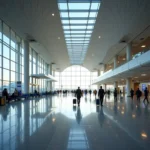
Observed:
{"x":11,"y":58}
{"x":75,"y":76}
{"x":37,"y":66}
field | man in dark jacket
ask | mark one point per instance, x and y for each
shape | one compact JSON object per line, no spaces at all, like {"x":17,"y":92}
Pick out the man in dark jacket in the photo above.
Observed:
{"x":138,"y":94}
{"x":115,"y":94}
{"x":78,"y":95}
{"x":146,"y":95}
{"x":101,"y":94}
{"x":132,"y":93}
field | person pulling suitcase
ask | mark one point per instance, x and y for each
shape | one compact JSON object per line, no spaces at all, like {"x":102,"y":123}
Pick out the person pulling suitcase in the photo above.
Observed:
{"x":78,"y":95}
{"x":101,"y":94}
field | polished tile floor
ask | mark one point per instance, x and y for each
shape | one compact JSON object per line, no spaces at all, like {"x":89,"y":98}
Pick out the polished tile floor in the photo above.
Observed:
{"x":53,"y":123}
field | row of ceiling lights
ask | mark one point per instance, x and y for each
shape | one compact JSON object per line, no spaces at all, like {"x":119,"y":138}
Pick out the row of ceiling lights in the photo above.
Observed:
{"x":59,"y":37}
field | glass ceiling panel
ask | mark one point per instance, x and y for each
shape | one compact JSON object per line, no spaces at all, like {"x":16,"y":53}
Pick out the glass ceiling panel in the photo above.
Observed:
{"x":78,"y":15}
{"x":76,"y":6}
{"x":93,"y":14}
{"x":65,"y":21}
{"x":78,"y":19}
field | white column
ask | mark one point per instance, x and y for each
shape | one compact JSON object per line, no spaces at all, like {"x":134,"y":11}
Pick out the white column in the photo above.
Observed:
{"x":128,"y":85}
{"x":105,"y":87}
{"x":116,"y":84}
{"x":26,"y":67}
{"x":99,"y":72}
{"x":37,"y":63}
{"x":115,"y":62}
{"x":53,"y":82}
{"x":128,"y":52}
{"x":18,"y":65}
{"x":51,"y":68}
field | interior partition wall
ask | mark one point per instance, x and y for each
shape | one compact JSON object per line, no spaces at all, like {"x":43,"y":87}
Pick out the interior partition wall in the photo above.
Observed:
{"x":75,"y":76}
{"x":11,"y":58}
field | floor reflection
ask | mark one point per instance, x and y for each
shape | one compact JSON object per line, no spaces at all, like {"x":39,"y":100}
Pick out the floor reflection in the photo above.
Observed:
{"x":55,"y":123}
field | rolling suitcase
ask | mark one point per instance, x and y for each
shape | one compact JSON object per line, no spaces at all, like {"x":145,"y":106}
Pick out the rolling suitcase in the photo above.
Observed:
{"x":97,"y":101}
{"x":74,"y":101}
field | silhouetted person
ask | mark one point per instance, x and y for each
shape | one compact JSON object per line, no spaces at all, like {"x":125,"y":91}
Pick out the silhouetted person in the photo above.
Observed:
{"x":138,"y":94}
{"x":101,"y":94}
{"x":85,"y":92}
{"x":115,"y":94}
{"x":132,"y":93}
{"x":95,"y":93}
{"x":36,"y":93}
{"x":108,"y":93}
{"x":120,"y":92}
{"x":78,"y":95}
{"x":5,"y":93}
{"x":90,"y":92}
{"x":146,"y":95}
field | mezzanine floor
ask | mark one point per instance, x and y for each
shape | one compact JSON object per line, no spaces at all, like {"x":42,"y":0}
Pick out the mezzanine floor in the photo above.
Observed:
{"x":53,"y":123}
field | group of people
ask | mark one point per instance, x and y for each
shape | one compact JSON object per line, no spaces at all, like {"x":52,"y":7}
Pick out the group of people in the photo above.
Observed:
{"x":14,"y":95}
{"x":101,"y":94}
{"x":139,"y":94}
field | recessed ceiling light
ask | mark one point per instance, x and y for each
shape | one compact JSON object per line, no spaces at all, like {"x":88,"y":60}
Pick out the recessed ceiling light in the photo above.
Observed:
{"x":99,"y":37}
{"x":143,"y":74}
{"x":53,"y":14}
{"x":58,"y":38}
{"x":144,"y":135}
{"x":143,"y":46}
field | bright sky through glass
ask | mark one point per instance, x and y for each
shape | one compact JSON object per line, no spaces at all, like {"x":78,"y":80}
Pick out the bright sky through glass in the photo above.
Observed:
{"x":78,"y":19}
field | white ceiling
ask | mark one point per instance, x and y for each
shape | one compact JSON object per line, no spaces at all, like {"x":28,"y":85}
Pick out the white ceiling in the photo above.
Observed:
{"x":117,"y":19}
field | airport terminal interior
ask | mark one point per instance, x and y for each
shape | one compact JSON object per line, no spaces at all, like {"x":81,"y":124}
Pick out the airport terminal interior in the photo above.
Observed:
{"x":74,"y":74}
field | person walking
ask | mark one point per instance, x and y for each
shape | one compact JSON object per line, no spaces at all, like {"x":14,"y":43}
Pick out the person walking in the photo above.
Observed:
{"x":115,"y":94}
{"x":132,"y":93}
{"x":138,"y":94}
{"x":146,"y":95}
{"x":78,"y":95}
{"x":90,"y":92}
{"x":101,"y":94}
{"x":95,"y":93}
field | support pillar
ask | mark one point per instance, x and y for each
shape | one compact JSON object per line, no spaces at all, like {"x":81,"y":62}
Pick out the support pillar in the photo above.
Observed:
{"x":26,"y":66}
{"x":116,"y":84}
{"x":18,"y":65}
{"x":115,"y":62}
{"x":105,"y":86}
{"x":99,"y":72}
{"x":51,"y":68}
{"x":128,"y":52}
{"x":128,"y":85}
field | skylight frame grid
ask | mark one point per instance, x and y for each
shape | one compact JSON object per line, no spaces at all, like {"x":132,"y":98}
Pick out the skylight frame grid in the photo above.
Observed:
{"x":78,"y":27}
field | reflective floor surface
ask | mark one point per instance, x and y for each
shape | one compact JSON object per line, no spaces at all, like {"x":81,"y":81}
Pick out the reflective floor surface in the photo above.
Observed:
{"x":53,"y":123}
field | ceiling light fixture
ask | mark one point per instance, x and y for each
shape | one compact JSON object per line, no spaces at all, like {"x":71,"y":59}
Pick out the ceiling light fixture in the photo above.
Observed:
{"x":99,"y":37}
{"x":53,"y":14}
{"x":143,"y":46}
{"x":58,"y":38}
{"x":143,"y":74}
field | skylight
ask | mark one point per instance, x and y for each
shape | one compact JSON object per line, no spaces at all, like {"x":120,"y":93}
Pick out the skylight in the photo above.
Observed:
{"x":78,"y":18}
